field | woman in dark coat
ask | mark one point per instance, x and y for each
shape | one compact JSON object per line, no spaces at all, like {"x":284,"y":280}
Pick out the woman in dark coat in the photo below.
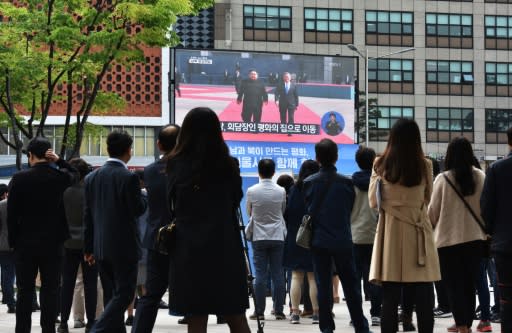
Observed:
{"x":298,"y":259}
{"x":208,"y":272}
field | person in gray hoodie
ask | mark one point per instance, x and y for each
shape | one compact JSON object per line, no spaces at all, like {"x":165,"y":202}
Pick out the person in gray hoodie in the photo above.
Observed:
{"x":363,"y":225}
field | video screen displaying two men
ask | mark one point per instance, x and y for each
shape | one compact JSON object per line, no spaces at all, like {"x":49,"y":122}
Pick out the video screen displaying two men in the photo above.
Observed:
{"x":269,"y":97}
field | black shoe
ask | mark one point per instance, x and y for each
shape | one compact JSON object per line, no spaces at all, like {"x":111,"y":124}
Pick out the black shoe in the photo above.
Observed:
{"x":129,"y":321}
{"x":11,"y":308}
{"x":408,"y":327}
{"x":183,"y":321}
{"x":63,"y":328}
{"x":163,"y":305}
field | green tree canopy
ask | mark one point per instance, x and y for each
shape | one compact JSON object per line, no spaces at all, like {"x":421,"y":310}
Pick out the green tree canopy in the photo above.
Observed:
{"x":46,"y":44}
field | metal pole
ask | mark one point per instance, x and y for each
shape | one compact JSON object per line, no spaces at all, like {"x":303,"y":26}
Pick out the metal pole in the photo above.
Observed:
{"x":366,"y":97}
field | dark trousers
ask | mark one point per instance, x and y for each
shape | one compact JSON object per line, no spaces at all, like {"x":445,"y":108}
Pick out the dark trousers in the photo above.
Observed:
{"x":504,"y":276}
{"x":443,"y":302}
{"x":363,"y":258}
{"x":72,"y":260}
{"x":482,"y":290}
{"x":7,"y":280}
{"x":28,"y":262}
{"x":343,"y":260}
{"x":251,"y":114}
{"x":119,"y":280}
{"x":285,"y":110}
{"x":157,"y":281}
{"x":391,"y":294}
{"x":460,"y":265}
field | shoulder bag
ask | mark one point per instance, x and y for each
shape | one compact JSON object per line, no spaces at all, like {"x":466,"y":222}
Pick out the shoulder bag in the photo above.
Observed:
{"x":305,"y":233}
{"x":487,"y":242}
{"x":166,"y":236}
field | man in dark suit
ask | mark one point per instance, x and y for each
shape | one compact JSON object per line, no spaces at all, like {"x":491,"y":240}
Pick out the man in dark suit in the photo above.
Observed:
{"x":253,"y":94}
{"x":157,"y":277}
{"x":495,"y":205}
{"x":287,"y":97}
{"x":113,"y":201}
{"x":37,"y":230}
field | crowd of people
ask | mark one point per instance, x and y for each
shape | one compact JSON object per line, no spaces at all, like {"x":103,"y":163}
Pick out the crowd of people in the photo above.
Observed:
{"x":392,"y":229}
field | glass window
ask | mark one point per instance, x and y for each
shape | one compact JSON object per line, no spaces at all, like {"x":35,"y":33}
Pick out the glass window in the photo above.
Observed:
{"x":498,"y":26}
{"x":449,"y":25}
{"x":498,"y":73}
{"x":439,"y":120}
{"x":328,"y":20}
{"x":269,"y":18}
{"x":382,"y":118}
{"x":449,"y":72}
{"x":395,"y":23}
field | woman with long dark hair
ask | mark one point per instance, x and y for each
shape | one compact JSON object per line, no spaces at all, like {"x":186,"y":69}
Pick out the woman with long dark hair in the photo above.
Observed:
{"x":296,"y":258}
{"x":404,"y":255}
{"x":458,"y":236}
{"x":207,"y":273}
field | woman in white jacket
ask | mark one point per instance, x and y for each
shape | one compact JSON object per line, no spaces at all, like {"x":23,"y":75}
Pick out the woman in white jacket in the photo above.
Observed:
{"x":458,"y":236}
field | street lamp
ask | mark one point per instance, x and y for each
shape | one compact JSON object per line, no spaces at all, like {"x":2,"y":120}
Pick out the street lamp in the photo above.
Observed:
{"x":366,"y":60}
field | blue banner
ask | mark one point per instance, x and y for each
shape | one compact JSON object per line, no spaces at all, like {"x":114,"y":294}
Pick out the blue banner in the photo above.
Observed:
{"x":287,"y":155}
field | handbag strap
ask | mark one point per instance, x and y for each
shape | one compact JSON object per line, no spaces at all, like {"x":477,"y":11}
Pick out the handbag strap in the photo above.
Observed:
{"x":466,"y":204}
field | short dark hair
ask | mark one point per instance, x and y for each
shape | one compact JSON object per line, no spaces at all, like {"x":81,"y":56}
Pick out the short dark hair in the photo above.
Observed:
{"x":509,"y":136}
{"x":118,"y":142}
{"x":286,"y":181}
{"x":167,"y":136}
{"x":81,"y":166}
{"x":266,"y":168}
{"x":38,"y":146}
{"x":326,"y":152}
{"x":365,"y":157}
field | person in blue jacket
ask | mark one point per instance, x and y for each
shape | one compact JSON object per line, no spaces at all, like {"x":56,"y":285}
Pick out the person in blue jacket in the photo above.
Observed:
{"x":329,"y":199}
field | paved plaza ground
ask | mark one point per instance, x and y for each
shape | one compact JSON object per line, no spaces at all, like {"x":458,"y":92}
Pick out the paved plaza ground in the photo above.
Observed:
{"x":168,"y":324}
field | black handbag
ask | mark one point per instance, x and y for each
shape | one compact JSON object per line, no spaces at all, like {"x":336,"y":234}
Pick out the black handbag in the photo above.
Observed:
{"x":166,"y":238}
{"x":487,"y":241}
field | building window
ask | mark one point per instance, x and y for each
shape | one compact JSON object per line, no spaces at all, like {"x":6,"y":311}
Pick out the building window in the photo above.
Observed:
{"x":391,"y":76}
{"x":497,"y":122}
{"x":382,"y":118}
{"x":268,"y":23}
{"x":389,"y":28}
{"x":332,"y":26}
{"x":143,"y":141}
{"x":449,"y":77}
{"x":498,"y":79}
{"x":444,"y":124}
{"x":499,"y":1}
{"x":449,"y":30}
{"x":498,"y":32}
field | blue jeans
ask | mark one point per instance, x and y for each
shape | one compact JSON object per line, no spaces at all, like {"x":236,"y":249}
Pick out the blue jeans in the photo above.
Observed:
{"x":482,"y":288}
{"x":346,"y":270}
{"x":7,"y":280}
{"x":363,"y":258}
{"x":268,"y":254}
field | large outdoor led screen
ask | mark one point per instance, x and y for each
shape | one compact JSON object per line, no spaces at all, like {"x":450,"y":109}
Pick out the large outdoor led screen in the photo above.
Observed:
{"x":324,"y":85}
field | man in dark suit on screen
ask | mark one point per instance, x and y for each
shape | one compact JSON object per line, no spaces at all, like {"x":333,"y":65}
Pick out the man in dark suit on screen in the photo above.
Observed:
{"x":253,"y":94}
{"x":157,"y":278}
{"x":287,"y":97}
{"x":113,"y":201}
{"x":37,"y":230}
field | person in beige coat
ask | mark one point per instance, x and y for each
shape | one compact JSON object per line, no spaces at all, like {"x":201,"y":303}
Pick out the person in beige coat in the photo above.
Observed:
{"x":458,"y":236}
{"x":404,"y":254}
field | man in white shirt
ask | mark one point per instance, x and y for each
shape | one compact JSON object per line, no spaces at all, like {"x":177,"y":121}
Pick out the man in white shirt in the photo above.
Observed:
{"x":266,"y":202}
